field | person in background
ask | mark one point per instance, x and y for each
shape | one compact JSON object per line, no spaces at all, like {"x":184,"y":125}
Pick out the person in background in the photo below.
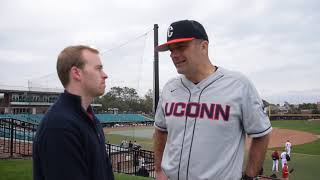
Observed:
{"x":285,"y":172}
{"x":130,"y":145}
{"x":283,"y":157}
{"x":275,"y":161}
{"x":288,"y":147}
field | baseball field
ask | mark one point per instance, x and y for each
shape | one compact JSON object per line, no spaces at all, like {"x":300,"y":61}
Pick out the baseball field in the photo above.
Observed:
{"x":304,"y":135}
{"x":305,"y":157}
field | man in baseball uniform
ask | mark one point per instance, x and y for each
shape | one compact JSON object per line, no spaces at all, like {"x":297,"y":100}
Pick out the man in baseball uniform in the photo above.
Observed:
{"x":288,"y":147}
{"x":204,"y":115}
{"x":283,"y":157}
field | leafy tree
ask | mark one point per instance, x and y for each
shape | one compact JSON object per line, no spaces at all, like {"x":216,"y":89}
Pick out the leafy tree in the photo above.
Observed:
{"x":308,"y":106}
{"x":124,"y":98}
{"x":147,"y":102}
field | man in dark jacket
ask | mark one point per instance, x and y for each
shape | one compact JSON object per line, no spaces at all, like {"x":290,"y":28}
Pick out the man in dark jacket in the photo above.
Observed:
{"x":70,"y":142}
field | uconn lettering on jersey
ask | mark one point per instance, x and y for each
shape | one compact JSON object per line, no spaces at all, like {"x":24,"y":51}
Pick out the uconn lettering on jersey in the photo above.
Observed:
{"x":198,"y":110}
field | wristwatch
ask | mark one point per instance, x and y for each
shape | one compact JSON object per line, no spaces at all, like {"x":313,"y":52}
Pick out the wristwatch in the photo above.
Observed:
{"x":246,"y":177}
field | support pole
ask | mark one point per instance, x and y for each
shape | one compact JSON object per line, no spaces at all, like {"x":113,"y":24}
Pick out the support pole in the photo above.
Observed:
{"x":155,"y":70}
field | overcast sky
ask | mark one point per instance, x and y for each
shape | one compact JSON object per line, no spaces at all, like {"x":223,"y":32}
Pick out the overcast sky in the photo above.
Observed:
{"x":275,"y":43}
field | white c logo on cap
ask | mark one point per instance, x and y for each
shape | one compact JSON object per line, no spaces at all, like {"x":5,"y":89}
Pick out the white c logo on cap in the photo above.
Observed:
{"x":170,"y":31}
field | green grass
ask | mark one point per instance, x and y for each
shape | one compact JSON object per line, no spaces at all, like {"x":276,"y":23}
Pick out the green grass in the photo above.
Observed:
{"x":301,"y":125}
{"x":15,"y":169}
{"x":119,"y":176}
{"x":22,"y":170}
{"x":146,"y":143}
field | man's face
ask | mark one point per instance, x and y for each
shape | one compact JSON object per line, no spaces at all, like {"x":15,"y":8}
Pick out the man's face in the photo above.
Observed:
{"x":93,"y":76}
{"x":185,"y":56}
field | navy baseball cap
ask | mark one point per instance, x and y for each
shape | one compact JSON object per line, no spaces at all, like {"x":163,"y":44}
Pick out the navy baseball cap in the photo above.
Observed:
{"x":181,"y":31}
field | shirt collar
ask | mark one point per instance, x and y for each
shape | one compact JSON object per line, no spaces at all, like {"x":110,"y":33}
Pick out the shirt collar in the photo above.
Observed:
{"x":75,"y":100}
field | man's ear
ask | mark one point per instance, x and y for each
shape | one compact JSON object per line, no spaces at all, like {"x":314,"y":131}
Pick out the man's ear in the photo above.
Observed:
{"x":75,"y":73}
{"x":204,"y":46}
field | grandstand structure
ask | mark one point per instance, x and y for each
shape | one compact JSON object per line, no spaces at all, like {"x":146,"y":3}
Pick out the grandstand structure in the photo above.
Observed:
{"x":29,"y":101}
{"x":20,"y":101}
{"x":293,"y":116}
{"x":30,"y":104}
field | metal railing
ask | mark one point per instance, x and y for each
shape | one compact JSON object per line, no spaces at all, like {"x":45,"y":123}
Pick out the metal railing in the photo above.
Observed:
{"x":16,"y":138}
{"x":134,"y":161}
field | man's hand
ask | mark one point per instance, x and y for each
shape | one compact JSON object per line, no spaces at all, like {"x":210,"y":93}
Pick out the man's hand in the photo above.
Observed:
{"x":160,"y":175}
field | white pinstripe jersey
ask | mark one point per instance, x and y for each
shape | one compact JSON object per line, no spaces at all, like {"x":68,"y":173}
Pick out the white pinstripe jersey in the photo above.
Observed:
{"x":206,"y":125}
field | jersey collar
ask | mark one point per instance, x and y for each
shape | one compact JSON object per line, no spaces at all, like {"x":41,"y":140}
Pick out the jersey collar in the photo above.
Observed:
{"x":205,"y":82}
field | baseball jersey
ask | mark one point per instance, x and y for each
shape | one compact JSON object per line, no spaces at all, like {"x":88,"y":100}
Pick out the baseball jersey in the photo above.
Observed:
{"x":284,"y":157}
{"x":288,"y":146}
{"x":206,"y":125}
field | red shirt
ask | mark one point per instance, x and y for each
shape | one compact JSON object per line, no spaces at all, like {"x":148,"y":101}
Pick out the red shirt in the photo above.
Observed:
{"x":275,"y":155}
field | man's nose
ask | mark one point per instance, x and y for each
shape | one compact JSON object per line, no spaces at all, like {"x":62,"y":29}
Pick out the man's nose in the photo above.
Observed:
{"x":104,"y":75}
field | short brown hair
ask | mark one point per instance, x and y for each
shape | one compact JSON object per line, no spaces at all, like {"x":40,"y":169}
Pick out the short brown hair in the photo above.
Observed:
{"x":69,"y":57}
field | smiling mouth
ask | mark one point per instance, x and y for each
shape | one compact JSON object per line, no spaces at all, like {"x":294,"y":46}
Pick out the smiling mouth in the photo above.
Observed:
{"x":180,"y":62}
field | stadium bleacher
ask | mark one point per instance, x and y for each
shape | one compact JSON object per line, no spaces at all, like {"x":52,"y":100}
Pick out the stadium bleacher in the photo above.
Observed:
{"x":31,"y":118}
{"x":122,"y":118}
{"x":104,"y":118}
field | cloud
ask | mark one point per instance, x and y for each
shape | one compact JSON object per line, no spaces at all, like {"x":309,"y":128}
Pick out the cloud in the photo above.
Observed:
{"x":274,"y":43}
